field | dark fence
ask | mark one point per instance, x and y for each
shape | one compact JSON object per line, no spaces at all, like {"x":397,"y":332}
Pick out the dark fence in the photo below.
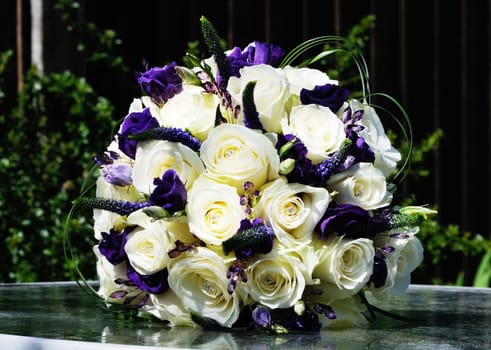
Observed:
{"x":432,"y":55}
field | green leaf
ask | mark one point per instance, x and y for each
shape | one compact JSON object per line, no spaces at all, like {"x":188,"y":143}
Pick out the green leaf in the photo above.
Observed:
{"x":483,"y":274}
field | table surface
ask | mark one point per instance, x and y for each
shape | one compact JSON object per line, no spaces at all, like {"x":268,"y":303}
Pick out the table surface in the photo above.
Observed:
{"x":61,"y":315}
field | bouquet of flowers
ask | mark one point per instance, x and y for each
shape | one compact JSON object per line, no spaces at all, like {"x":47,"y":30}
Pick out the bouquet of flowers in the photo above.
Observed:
{"x":242,"y":191}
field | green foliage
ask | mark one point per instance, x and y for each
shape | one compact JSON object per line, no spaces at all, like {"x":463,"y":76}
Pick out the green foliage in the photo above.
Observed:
{"x":100,"y":44}
{"x":46,"y":147}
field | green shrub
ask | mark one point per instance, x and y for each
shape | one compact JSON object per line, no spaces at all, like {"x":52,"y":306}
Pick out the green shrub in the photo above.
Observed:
{"x":48,"y":144}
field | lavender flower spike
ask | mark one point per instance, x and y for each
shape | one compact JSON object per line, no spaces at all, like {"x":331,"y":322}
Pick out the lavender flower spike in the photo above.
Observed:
{"x":327,"y":168}
{"x":169,"y":134}
{"x":115,"y":206}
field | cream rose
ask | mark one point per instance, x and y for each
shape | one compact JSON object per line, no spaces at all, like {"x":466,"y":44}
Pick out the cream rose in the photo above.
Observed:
{"x":386,"y":156}
{"x":346,"y":264}
{"x":147,"y":245}
{"x":108,"y":274}
{"x":234,"y":154}
{"x":193,"y":109}
{"x":304,"y":78}
{"x":276,"y":280}
{"x":167,"y":306}
{"x":320,"y":130}
{"x":154,"y":158}
{"x":199,"y":279}
{"x":410,"y":257}
{"x":214,"y":211}
{"x":270,"y":93}
{"x":401,"y":262}
{"x":292,"y":209}
{"x":362,"y":185}
{"x":348,"y":311}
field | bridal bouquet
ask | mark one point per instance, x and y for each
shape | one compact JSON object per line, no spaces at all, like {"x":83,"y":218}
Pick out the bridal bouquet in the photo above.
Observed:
{"x":242,"y":191}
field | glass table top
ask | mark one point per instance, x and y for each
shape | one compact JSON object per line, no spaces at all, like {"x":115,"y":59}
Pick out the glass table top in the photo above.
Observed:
{"x":62,"y":316}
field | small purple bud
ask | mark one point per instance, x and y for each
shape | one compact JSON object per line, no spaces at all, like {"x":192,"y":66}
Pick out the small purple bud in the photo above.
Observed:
{"x":261,"y":316}
{"x":118,"y":174}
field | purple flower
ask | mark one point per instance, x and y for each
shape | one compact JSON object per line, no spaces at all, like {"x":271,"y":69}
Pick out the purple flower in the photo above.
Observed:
{"x":345,"y":219}
{"x":261,"y":316}
{"x":169,"y":193}
{"x":289,"y":319}
{"x":328,"y":95}
{"x":254,"y":54}
{"x":135,"y":123}
{"x":379,"y":270}
{"x":112,"y":245}
{"x":161,"y":83}
{"x":361,"y":151}
{"x":155,"y":283}
{"x":118,"y":174}
{"x":291,"y":147}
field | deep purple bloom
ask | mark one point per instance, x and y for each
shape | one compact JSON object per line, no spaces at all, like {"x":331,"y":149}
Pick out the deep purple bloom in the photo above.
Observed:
{"x":118,"y":174}
{"x":351,"y":118}
{"x":360,"y":150}
{"x":345,"y":219}
{"x":161,"y":83}
{"x":290,"y":146}
{"x":169,"y":193}
{"x":380,"y":272}
{"x":254,"y":54}
{"x":108,"y":157}
{"x":112,"y":245}
{"x":235,"y":271}
{"x":155,"y":283}
{"x":251,"y":238}
{"x":328,"y":95}
{"x":289,"y":319}
{"x":133,"y":124}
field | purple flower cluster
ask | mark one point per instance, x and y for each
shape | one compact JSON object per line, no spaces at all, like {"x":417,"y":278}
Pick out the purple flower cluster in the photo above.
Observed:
{"x":135,"y":123}
{"x":160,"y":83}
{"x":256,"y":53}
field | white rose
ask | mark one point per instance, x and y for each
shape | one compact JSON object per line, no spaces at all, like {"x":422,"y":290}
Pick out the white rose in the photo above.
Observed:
{"x":276,"y":280}
{"x":167,"y":306}
{"x":292,"y":210}
{"x":345,"y":264}
{"x":154,"y":158}
{"x":105,"y":220}
{"x":270,"y":93}
{"x":199,"y":279}
{"x":348,"y":311}
{"x":304,"y":78}
{"x":410,"y":257}
{"x":108,"y":273}
{"x":320,"y":130}
{"x":234,"y":154}
{"x":386,"y":156}
{"x":362,"y":185}
{"x":147,"y":244}
{"x":193,"y":109}
{"x":401,"y":262}
{"x":213,"y":211}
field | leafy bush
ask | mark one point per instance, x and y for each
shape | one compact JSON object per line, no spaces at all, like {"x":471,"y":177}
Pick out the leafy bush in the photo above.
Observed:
{"x":48,"y":144}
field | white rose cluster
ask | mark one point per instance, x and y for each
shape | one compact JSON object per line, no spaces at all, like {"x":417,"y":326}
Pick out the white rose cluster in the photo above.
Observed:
{"x":239,"y":184}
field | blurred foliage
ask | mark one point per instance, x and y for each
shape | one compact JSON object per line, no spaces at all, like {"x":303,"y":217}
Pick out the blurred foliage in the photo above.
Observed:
{"x":45,"y":152}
